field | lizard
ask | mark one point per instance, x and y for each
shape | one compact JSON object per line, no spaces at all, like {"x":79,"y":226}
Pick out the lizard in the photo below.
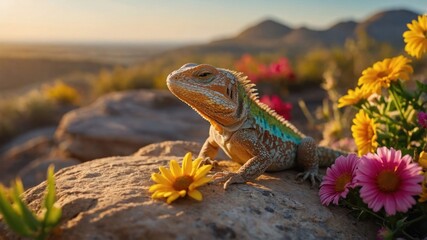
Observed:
{"x":248,"y":131}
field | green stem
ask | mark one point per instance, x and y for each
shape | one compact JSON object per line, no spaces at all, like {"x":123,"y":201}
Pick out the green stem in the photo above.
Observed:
{"x":415,"y":220}
{"x":397,"y":104}
{"x":364,"y":209}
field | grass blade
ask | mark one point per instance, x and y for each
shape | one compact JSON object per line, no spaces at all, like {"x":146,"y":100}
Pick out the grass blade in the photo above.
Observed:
{"x":28,"y":217}
{"x":12,"y":218}
{"x":50,"y":195}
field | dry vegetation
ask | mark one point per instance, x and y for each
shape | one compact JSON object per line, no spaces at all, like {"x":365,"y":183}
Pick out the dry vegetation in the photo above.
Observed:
{"x":92,"y":79}
{"x":17,"y":72}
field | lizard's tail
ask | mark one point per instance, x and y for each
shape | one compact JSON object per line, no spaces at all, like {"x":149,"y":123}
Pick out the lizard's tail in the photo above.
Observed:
{"x":327,"y":156}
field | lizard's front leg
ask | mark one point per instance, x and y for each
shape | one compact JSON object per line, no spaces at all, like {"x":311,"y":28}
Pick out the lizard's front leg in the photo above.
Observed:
{"x":245,"y":142}
{"x":308,"y":159}
{"x":209,"y":151}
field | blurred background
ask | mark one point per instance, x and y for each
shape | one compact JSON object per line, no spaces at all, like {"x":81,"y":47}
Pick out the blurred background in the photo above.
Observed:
{"x":58,"y":56}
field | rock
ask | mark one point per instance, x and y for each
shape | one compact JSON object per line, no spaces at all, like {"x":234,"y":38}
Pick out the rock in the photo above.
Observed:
{"x":169,"y":148}
{"x":174,"y":148}
{"x":18,"y":156}
{"x":35,"y":172}
{"x":121,"y":123}
{"x":47,"y":132}
{"x":109,"y":199}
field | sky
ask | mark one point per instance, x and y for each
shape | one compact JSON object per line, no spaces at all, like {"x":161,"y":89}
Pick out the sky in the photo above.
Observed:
{"x":172,"y":21}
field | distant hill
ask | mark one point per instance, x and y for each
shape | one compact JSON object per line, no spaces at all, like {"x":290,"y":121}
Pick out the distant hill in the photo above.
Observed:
{"x":272,"y":36}
{"x":265,"y":30}
{"x":387,"y":26}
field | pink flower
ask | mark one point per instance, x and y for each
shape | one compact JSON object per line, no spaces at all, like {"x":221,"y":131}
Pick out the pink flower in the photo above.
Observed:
{"x":281,"y":69}
{"x":282,"y":108}
{"x":388,"y":180}
{"x":256,"y":71}
{"x":422,"y":119}
{"x":340,"y":177}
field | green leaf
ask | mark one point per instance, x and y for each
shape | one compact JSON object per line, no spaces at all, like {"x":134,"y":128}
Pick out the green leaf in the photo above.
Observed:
{"x":53,"y":216}
{"x":421,"y":86}
{"x":28,"y":217}
{"x":18,"y":186}
{"x":52,"y":212}
{"x":13,"y":219}
{"x":50,"y":195}
{"x":417,"y":134}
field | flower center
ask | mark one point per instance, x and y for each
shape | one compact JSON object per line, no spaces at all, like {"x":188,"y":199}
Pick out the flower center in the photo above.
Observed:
{"x":388,"y":181}
{"x":382,"y":74}
{"x":182,"y":183}
{"x":341,"y":182}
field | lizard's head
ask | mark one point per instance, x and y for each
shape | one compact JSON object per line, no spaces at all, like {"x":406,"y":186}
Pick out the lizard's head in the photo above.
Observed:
{"x":212,"y":92}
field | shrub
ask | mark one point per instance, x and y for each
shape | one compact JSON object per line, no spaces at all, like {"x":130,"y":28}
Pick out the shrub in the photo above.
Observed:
{"x":61,"y":93}
{"x":26,"y":112}
{"x":122,"y":79}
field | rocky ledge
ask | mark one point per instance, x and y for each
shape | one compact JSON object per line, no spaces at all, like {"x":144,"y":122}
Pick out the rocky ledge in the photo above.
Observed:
{"x":108,"y":199}
{"x":121,"y":123}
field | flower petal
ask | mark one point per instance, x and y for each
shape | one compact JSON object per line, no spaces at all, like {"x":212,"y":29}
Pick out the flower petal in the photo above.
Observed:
{"x":202,"y":171}
{"x":182,"y":193}
{"x":167,"y":174}
{"x":158,"y":178}
{"x":200,"y":182}
{"x":175,"y":169}
{"x":187,"y":165}
{"x":195,"y":194}
{"x":160,"y":187}
{"x":157,"y":195}
{"x":172,"y":197}
{"x":196,"y":165}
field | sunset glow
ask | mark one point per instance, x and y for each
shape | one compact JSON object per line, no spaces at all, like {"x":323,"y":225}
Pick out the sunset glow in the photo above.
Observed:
{"x":188,"y":20}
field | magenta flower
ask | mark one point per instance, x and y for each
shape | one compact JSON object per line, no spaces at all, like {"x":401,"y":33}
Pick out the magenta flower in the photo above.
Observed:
{"x":388,"y":180}
{"x":257,"y":71}
{"x":340,"y":177}
{"x":282,"y":108}
{"x":281,"y":69}
{"x":422,"y":119}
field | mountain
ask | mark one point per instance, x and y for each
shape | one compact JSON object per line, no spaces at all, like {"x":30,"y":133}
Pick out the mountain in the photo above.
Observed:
{"x":274,"y":37}
{"x":387,"y":26}
{"x":267,"y":29}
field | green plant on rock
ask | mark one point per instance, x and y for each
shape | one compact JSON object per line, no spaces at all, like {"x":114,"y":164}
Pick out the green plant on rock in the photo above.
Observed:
{"x":21,"y":219}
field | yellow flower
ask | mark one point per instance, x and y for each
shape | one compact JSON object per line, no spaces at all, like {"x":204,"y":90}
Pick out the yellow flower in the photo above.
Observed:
{"x":416,"y":37}
{"x":353,"y":97}
{"x":381,"y":74}
{"x":423,"y":195}
{"x":177,"y":182}
{"x":364,"y":133}
{"x":423,"y":160}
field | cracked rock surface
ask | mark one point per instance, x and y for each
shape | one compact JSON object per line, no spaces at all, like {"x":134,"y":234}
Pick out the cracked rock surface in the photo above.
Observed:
{"x":108,"y":199}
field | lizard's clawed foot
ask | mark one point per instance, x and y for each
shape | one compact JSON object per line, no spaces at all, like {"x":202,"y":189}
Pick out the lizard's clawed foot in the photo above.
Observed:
{"x":312,"y":175}
{"x":209,"y":161}
{"x":228,"y":177}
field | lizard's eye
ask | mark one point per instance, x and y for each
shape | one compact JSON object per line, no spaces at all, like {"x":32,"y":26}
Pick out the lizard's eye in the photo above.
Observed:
{"x":204,"y":74}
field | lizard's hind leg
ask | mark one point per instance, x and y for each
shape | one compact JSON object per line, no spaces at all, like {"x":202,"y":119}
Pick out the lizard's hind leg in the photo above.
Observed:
{"x":307,"y":159}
